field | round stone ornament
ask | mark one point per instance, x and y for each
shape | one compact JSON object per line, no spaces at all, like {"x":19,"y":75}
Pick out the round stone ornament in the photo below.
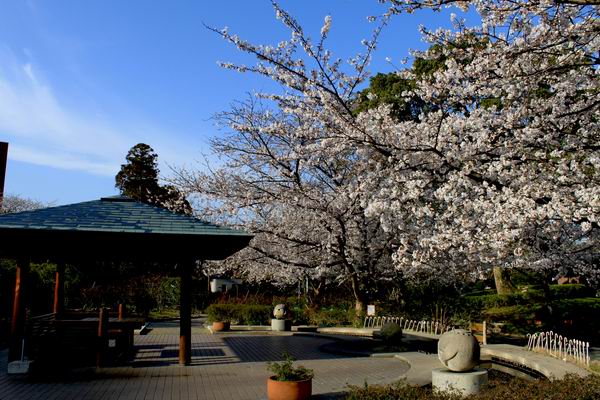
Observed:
{"x":280,"y":311}
{"x":458,"y":350}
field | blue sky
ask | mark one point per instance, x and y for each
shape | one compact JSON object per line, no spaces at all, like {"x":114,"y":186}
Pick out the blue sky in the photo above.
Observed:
{"x":83,"y":81}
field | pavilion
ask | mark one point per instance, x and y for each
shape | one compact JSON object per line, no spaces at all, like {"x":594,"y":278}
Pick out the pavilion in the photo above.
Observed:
{"x":111,"y":229}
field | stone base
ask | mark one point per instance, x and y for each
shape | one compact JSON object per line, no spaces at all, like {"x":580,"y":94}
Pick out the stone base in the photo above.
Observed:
{"x":305,"y":328}
{"x":466,"y":383}
{"x":18,"y":367}
{"x":281,"y":325}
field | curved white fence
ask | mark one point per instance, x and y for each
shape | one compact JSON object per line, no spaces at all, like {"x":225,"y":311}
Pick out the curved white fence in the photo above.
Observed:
{"x":560,"y":347}
{"x":423,"y":326}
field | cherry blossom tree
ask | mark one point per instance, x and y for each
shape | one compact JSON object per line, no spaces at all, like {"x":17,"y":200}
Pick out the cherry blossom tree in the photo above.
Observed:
{"x":14,"y":203}
{"x":500,"y":169}
{"x":505,"y":172}
{"x":302,"y":203}
{"x":303,"y":207}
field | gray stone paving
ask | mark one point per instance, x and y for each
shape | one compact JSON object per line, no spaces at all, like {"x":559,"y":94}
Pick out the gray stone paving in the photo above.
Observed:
{"x":225,"y":366}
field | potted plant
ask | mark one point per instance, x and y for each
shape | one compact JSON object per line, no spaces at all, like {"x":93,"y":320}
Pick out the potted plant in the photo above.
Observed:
{"x":219,"y":316}
{"x":289,"y":382}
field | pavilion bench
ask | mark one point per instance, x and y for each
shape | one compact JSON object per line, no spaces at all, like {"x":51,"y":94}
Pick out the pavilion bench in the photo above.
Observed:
{"x":85,"y":341}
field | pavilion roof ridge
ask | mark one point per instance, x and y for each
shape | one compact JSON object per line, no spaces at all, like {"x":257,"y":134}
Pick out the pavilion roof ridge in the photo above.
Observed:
{"x":116,"y":213}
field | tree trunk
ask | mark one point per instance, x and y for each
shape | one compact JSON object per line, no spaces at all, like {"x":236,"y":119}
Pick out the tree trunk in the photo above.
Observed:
{"x":503,"y":282}
{"x":359,"y":307}
{"x":359,"y":300}
{"x":549,"y":311}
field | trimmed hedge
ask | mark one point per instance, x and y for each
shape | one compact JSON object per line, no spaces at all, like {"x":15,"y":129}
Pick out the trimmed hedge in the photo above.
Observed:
{"x":241,"y":314}
{"x":580,"y":315}
{"x":503,"y":300}
{"x":571,"y":291}
{"x":508,"y":313}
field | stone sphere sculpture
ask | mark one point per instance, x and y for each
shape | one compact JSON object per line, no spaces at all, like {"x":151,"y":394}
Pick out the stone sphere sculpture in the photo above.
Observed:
{"x":458,"y":350}
{"x":280,"y":311}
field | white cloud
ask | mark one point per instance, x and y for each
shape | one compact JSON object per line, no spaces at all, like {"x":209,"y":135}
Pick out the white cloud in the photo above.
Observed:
{"x":42,"y":130}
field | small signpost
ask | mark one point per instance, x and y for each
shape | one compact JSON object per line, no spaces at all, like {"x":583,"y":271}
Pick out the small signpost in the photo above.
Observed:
{"x":371,"y":310}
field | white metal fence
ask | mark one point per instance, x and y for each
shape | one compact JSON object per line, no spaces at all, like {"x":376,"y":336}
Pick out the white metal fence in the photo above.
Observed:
{"x":422,"y":326}
{"x":560,"y":347}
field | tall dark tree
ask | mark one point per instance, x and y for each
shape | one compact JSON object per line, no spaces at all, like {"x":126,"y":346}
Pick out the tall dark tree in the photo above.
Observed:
{"x":388,"y":89}
{"x":138,"y":179}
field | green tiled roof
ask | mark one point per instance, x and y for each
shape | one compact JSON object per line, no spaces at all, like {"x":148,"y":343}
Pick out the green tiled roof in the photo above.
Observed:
{"x":113,"y":214}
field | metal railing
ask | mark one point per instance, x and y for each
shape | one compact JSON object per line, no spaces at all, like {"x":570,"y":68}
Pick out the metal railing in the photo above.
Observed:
{"x":410,"y":325}
{"x":560,"y":347}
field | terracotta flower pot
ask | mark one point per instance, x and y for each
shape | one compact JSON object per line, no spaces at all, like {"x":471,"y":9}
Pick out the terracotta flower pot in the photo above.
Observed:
{"x":288,"y":390}
{"x":220,"y":326}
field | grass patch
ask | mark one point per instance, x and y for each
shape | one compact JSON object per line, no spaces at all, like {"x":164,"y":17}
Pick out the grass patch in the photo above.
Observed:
{"x":161,"y":315}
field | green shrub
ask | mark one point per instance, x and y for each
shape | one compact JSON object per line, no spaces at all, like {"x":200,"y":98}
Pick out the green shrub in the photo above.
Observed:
{"x":255,"y":314}
{"x":391,"y":333}
{"x":243,"y":314}
{"x":331,"y":317}
{"x":399,"y":391}
{"x":220,"y":312}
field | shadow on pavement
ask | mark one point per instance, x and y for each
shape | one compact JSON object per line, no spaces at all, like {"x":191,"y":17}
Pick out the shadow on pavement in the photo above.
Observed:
{"x":271,"y":348}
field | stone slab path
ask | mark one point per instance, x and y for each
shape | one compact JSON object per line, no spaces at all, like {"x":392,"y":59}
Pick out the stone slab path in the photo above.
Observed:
{"x":225,"y":366}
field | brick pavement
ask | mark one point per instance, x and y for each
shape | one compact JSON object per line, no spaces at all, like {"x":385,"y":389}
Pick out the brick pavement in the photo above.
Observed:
{"x":225,"y":366}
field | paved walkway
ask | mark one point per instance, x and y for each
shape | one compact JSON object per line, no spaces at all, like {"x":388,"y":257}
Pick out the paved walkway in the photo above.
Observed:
{"x":225,"y":366}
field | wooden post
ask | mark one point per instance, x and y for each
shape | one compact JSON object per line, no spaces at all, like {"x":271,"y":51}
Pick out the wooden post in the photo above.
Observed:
{"x":185,"y":315}
{"x":17,"y":326}
{"x":121,"y":311}
{"x":102,"y":337}
{"x":3,"y":159}
{"x":59,"y":289}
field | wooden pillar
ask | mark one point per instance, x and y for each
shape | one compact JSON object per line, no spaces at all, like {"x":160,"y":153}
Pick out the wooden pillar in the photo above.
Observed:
{"x":102,"y":337}
{"x":59,"y":289}
{"x":121,"y":312}
{"x":185,"y":315}
{"x":17,"y":326}
{"x":3,"y":159}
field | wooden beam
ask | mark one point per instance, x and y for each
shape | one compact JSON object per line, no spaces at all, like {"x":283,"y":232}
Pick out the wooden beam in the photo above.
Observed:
{"x":59,"y":289}
{"x":17,"y":326}
{"x":185,"y":314}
